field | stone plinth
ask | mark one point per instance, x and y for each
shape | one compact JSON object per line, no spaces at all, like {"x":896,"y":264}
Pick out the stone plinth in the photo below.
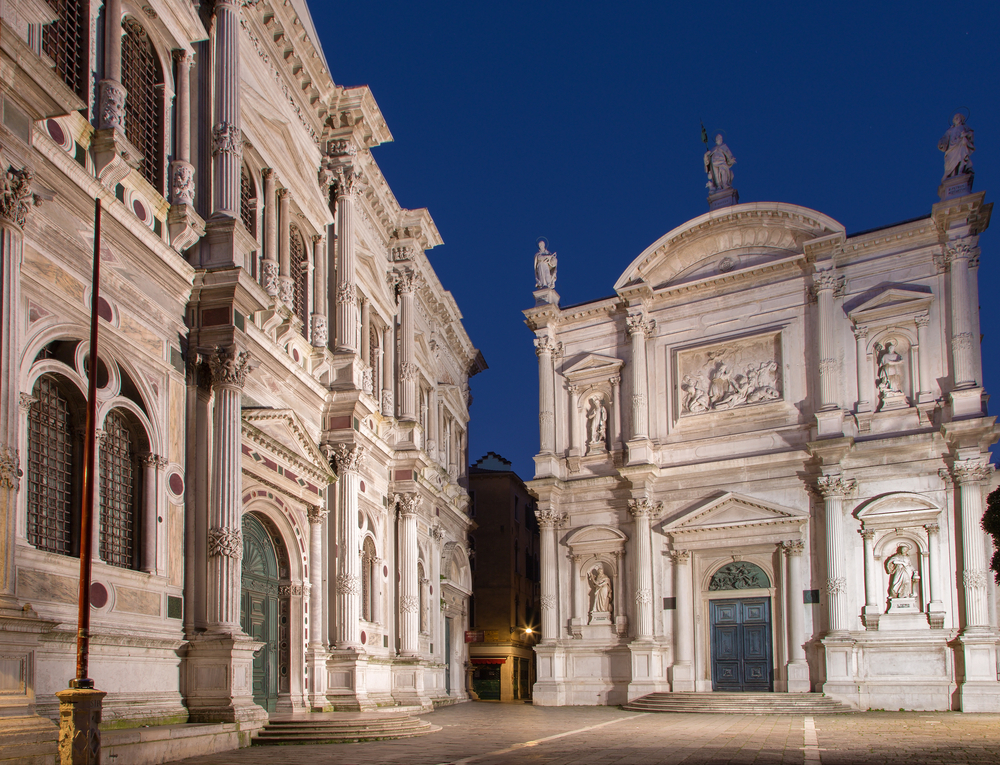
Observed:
{"x":723,"y":198}
{"x":958,"y":186}
{"x":79,"y":721}
{"x":546,"y":296}
{"x":219,"y":688}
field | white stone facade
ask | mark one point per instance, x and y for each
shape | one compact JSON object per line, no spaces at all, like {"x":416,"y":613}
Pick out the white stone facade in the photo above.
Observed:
{"x":284,"y":393}
{"x":794,"y":456}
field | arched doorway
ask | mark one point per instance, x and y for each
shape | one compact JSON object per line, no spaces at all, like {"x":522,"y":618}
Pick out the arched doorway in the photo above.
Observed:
{"x":259,"y":608}
{"x":741,"y":629}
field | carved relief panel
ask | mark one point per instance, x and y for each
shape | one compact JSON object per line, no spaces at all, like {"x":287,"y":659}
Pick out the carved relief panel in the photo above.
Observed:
{"x":730,"y":375}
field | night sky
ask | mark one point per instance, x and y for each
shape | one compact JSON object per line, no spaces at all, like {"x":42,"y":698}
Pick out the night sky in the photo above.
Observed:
{"x":580,"y":122}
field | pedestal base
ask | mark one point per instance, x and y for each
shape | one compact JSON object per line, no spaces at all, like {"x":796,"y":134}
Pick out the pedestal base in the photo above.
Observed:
{"x":967,"y":402}
{"x":648,"y":673}
{"x":408,"y":684}
{"x":549,"y":689}
{"x":979,"y":690}
{"x":79,"y":721}
{"x":682,"y":678}
{"x":640,"y":451}
{"x":316,"y":662}
{"x":218,"y":669}
{"x":347,"y":684}
{"x":797,"y":673}
{"x":958,"y":186}
{"x":723,"y":198}
{"x":546,"y":296}
{"x":830,"y":423}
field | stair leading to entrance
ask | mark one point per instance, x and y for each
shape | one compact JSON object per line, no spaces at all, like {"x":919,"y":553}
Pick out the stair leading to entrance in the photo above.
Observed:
{"x":739,"y":703}
{"x":342,"y":728}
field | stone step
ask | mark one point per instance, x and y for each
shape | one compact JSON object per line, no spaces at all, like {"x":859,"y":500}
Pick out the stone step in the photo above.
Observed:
{"x":329,"y":730}
{"x":738,"y":703}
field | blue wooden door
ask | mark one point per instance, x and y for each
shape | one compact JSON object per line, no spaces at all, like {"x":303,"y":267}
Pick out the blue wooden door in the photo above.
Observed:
{"x":741,"y":644}
{"x":259,"y":609}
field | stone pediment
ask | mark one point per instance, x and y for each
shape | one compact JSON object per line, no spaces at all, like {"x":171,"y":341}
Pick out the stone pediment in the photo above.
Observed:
{"x":891,"y":302}
{"x":596,"y":539}
{"x":281,"y":432}
{"x":748,"y":232}
{"x":897,"y":510}
{"x":592,"y":365}
{"x":737,"y":518}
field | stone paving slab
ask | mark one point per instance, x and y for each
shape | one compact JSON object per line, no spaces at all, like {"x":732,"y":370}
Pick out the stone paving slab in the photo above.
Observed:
{"x":493,"y":734}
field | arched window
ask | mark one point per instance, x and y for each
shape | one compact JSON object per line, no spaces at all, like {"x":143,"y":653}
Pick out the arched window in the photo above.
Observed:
{"x":65,"y":42}
{"x":142,"y":79}
{"x":119,"y":493}
{"x":368,"y":580}
{"x":300,"y":275}
{"x":248,"y":202}
{"x":53,"y":468}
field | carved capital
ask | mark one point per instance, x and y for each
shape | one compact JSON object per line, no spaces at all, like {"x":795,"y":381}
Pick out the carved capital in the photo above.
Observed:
{"x":227,"y":138}
{"x":638,"y":324}
{"x":10,"y":469}
{"x":224,"y":542}
{"x":25,"y":401}
{"x":408,"y":280}
{"x":230,"y":366}
{"x":792,"y":547}
{"x":615,"y":380}
{"x":830,"y":486}
{"x":867,"y":534}
{"x":922,"y":319}
{"x":183,"y":57}
{"x":965,"y":248}
{"x":437,"y":533}
{"x":348,"y":458}
{"x":861,"y":332}
{"x":15,"y":195}
{"x":316,"y":514}
{"x":971,"y":471}
{"x":643,"y":507}
{"x":680,"y":557}
{"x":347,"y":182}
{"x":550,"y":519}
{"x":544,"y":345}
{"x":932,"y":528}
{"x":406,"y":504}
{"x":825,"y":280}
{"x":153,"y":461}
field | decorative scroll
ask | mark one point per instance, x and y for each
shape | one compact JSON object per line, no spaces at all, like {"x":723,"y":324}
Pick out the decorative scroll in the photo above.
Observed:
{"x":739,"y":575}
{"x":730,"y":375}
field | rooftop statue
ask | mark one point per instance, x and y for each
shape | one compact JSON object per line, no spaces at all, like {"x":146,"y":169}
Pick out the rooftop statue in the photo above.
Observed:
{"x":545,"y":267}
{"x":957,"y":146}
{"x":719,"y":162}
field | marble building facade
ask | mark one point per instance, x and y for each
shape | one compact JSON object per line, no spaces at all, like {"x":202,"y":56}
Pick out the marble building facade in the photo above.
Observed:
{"x":283,"y":401}
{"x":763,"y":463}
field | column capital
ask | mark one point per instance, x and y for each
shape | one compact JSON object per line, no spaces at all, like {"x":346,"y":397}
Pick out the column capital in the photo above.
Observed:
{"x":638,"y":323}
{"x":183,"y":57}
{"x":316,"y":514}
{"x":269,"y":174}
{"x":932,"y":528}
{"x":861,"y":331}
{"x":347,"y":181}
{"x":230,"y":366}
{"x":317,"y":239}
{"x":545,"y":345}
{"x":549,"y":518}
{"x":25,"y":401}
{"x":792,"y":547}
{"x":227,"y":138}
{"x":826,"y":279}
{"x":922,"y":319}
{"x":284,"y":194}
{"x":614,"y":380}
{"x":347,"y":458}
{"x":680,"y":557}
{"x":406,"y":504}
{"x":830,"y":486}
{"x":867,"y":534}
{"x":971,"y":471}
{"x":643,"y":507}
{"x":407,"y":280}
{"x":16,"y":198}
{"x":153,"y":460}
{"x":10,"y":469}
{"x":965,"y":248}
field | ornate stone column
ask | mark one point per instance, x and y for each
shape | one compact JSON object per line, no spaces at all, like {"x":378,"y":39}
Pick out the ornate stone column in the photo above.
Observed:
{"x":433,"y":423}
{"x":958,"y":254}
{"x":349,"y":462}
{"x":574,"y":416}
{"x":286,"y":284}
{"x":926,"y":392}
{"x":348,"y":186}
{"x":872,"y":609}
{"x":643,"y":511}
{"x":182,"y":185}
{"x":616,"y":413}
{"x":935,"y":609}
{"x":833,"y":489}
{"x":319,"y":333}
{"x":864,"y":372}
{"x":230,"y":367}
{"x":366,"y":328}
{"x":152,"y":471}
{"x":227,"y":137}
{"x":825,"y":284}
{"x":388,"y":368}
{"x":545,"y":347}
{"x":639,"y":328}
{"x":407,"y":281}
{"x":409,"y":586}
{"x":112,"y":92}
{"x":548,"y":521}
{"x":316,"y":652}
{"x":797,"y":669}
{"x":971,"y":475}
{"x":269,"y":265}
{"x":682,"y":673}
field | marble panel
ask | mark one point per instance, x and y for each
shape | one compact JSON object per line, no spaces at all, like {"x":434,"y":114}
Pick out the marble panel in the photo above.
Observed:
{"x":134,"y":601}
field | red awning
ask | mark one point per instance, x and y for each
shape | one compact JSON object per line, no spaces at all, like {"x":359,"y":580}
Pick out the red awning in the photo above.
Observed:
{"x":476,"y":660}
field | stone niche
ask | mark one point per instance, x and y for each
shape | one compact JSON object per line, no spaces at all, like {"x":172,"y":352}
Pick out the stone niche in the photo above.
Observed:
{"x":597,"y":596}
{"x":738,"y":373}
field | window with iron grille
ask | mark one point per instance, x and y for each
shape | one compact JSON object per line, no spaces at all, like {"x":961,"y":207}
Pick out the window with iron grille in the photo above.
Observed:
{"x":65,"y":42}
{"x":118,"y":493}
{"x":51,"y":447}
{"x":368,"y":579}
{"x":300,"y":273}
{"x":248,"y":203}
{"x":143,"y":81}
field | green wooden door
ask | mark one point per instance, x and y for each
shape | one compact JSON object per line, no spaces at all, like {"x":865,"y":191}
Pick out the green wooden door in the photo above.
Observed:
{"x":259,"y":609}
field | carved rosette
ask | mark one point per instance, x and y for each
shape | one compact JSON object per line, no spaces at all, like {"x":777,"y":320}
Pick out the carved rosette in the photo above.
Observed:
{"x":225,"y":543}
{"x":349,"y":458}
{"x":10,"y":470}
{"x":227,"y":139}
{"x":269,"y":277}
{"x":408,"y":371}
{"x":792,"y":547}
{"x":548,"y":602}
{"x":229,"y":366}
{"x":830,"y":486}
{"x":182,"y":183}
{"x":550,"y":519}
{"x":972,"y":471}
{"x":836,"y":585}
{"x":409,"y":604}
{"x":15,"y":195}
{"x":348,"y":584}
{"x":637,"y":323}
{"x":112,"y":105}
{"x":680,"y":557}
{"x":347,"y":292}
{"x":644,"y":508}
{"x":316,"y":514}
{"x":407,"y":504}
{"x":319,"y":331}
{"x":643,"y":596}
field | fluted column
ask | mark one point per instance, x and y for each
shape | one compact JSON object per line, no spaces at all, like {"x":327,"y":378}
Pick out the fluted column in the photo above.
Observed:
{"x":230,"y":367}
{"x":227,"y":138}
{"x":286,"y":285}
{"x":797,"y":669}
{"x":872,"y":606}
{"x":615,"y":427}
{"x":825,"y":283}
{"x":317,"y":521}
{"x":574,"y":419}
{"x":348,"y":186}
{"x":958,"y":254}
{"x":970,"y":476}
{"x":15,"y":204}
{"x":407,"y":281}
{"x":545,"y":348}
{"x":269,"y":265}
{"x":409,"y":592}
{"x":548,"y":521}
{"x":319,"y":331}
{"x":112,"y":92}
{"x":388,"y":368}
{"x":643,"y":511}
{"x":864,"y":373}
{"x":433,"y":423}
{"x":934,"y":564}
{"x":683,"y":622}
{"x":349,"y":462}
{"x":639,"y":328}
{"x":366,"y":328}
{"x":833,"y":489}
{"x":182,"y":185}
{"x":926,"y":392}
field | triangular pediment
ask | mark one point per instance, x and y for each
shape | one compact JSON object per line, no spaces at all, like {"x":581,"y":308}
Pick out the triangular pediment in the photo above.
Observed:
{"x":282,"y":431}
{"x":591,"y":363}
{"x":732,"y":510}
{"x":892,"y":301}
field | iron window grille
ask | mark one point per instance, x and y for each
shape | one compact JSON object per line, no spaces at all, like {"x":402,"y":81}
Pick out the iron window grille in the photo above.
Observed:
{"x":248,"y":203}
{"x":118,"y":493}
{"x":300,"y":275}
{"x":51,"y":456}
{"x":142,"y":79}
{"x":65,"y":42}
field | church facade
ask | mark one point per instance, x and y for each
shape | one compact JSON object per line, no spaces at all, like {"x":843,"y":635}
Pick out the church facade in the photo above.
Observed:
{"x":763,"y":463}
{"x":281,"y":511}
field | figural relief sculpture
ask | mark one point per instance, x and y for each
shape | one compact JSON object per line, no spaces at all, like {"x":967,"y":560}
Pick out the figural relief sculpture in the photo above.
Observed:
{"x":600,"y":596}
{"x":730,"y":376}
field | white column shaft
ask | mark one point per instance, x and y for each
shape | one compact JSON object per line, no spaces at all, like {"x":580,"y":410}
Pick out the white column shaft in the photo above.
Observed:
{"x":546,"y":395}
{"x":796,"y":617}
{"x":640,"y":409}
{"x":347,"y":316}
{"x":409,"y":588}
{"x":349,"y":563}
{"x":836,"y":555}
{"x":228,"y":138}
{"x":827,"y":347}
{"x":643,"y":578}
{"x":550,"y":593}
{"x":962,"y":341}
{"x":871,"y":572}
{"x":10,"y":303}
{"x":975,"y":574}
{"x":684,"y":609}
{"x":225,"y":536}
{"x":864,"y":373}
{"x":317,"y":525}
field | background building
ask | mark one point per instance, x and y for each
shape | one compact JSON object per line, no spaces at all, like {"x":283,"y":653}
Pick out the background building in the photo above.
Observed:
{"x":283,"y":403}
{"x":504,"y":581}
{"x":763,"y":460}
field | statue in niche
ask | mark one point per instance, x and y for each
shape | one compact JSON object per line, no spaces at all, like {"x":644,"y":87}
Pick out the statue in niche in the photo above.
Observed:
{"x":957,"y":145}
{"x":597,"y":423}
{"x":890,"y":368}
{"x":902,"y":577}
{"x":600,"y":593}
{"x":718,"y":166}
{"x":545,"y":267}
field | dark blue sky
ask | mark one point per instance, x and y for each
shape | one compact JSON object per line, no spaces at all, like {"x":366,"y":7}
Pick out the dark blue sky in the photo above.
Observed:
{"x":580,"y":122}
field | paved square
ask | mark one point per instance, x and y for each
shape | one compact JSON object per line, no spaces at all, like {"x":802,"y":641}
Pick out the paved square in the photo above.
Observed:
{"x":489,"y":734}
